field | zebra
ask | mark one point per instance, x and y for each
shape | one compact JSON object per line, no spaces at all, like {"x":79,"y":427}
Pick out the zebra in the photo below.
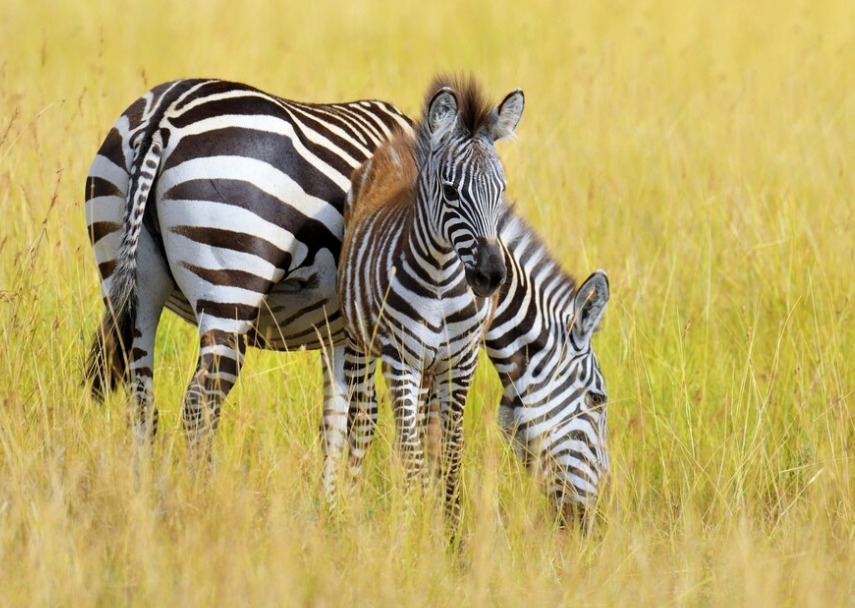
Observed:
{"x":242,"y":235}
{"x":554,"y":401}
{"x":421,"y":261}
{"x":247,"y":184}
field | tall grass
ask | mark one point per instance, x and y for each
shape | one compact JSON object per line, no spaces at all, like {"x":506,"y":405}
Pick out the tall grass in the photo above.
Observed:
{"x":702,"y":153}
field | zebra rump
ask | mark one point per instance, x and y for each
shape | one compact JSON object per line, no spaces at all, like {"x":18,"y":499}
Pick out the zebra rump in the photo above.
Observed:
{"x":108,"y":358}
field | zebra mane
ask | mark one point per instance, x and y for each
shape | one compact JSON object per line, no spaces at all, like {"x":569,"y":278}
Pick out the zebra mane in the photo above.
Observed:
{"x":529,"y":248}
{"x":393,"y":169}
{"x":473,"y":104}
{"x":474,"y":107}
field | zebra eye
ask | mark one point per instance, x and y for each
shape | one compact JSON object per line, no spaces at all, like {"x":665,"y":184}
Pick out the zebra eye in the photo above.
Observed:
{"x":450,"y":192}
{"x":596,"y":400}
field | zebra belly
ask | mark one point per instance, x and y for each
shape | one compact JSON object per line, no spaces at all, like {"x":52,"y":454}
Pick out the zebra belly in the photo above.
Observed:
{"x":301,"y":311}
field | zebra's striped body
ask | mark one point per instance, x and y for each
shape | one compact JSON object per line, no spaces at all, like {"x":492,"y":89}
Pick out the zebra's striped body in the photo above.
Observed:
{"x":233,"y":199}
{"x":303,"y":154}
{"x":259,"y":178}
{"x":421,"y":261}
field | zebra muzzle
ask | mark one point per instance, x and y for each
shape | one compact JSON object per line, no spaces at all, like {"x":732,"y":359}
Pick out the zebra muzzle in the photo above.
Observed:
{"x":488,"y":272}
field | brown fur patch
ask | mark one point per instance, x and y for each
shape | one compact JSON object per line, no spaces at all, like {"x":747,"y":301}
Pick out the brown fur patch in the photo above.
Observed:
{"x":389,"y":177}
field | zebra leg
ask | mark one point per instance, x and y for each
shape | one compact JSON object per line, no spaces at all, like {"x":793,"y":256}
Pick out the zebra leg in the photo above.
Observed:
{"x":154,"y":284}
{"x":362,"y":408}
{"x":405,"y":386}
{"x":220,"y":358}
{"x":334,"y":421}
{"x":363,"y":414}
{"x":426,"y":437}
{"x":451,"y":394}
{"x":433,"y":430}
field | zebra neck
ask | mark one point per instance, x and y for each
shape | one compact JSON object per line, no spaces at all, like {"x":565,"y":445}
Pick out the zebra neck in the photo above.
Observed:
{"x":535,"y":301}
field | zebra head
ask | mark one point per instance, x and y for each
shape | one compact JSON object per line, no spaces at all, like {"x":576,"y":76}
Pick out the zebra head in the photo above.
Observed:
{"x":555,"y":409}
{"x":461,"y":178}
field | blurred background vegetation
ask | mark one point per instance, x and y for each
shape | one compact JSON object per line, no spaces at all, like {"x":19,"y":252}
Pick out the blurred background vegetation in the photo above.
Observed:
{"x":700,"y":152}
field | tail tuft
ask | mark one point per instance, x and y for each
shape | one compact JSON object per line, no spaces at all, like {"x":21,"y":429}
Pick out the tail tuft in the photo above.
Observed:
{"x":107,"y":361}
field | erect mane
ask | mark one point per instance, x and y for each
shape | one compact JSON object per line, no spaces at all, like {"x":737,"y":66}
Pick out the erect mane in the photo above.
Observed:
{"x":473,"y":104}
{"x":474,"y":108}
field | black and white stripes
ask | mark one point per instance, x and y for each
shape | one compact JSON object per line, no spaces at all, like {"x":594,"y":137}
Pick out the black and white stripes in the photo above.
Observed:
{"x":240,"y":195}
{"x":421,"y":261}
{"x":241,"y":235}
{"x":554,"y":401}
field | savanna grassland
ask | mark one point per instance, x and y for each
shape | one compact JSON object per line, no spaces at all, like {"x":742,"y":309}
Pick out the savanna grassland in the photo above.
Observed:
{"x":702,"y":153}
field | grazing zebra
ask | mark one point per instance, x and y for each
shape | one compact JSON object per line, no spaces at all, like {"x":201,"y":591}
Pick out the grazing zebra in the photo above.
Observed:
{"x":421,"y":259}
{"x":247,"y":184}
{"x":553,"y":407}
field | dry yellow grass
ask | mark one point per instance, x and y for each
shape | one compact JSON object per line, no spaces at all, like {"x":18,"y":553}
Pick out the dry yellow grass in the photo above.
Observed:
{"x":702,"y":153}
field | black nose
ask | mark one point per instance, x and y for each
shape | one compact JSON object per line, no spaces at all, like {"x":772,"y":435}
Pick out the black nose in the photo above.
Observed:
{"x":488,"y":272}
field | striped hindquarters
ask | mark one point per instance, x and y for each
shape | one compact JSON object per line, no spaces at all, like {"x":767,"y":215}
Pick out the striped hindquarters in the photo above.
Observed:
{"x":248,"y":199}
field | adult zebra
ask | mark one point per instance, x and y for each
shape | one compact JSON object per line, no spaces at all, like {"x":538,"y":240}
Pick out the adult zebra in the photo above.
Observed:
{"x":242,"y":237}
{"x":421,"y":261}
{"x":248,"y":190}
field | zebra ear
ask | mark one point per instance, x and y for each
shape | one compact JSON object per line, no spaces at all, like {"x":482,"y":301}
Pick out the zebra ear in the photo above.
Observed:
{"x":507,"y":116}
{"x":442,"y":114}
{"x":589,"y":306}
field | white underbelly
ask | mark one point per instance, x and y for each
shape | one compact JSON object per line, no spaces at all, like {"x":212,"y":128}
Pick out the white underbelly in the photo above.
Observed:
{"x":301,"y":312}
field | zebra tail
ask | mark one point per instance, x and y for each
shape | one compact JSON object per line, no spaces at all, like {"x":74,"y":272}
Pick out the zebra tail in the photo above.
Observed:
{"x":109,"y":356}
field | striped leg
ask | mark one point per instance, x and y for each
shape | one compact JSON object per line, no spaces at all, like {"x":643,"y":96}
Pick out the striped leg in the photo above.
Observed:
{"x":451,"y":394}
{"x":425,"y":438}
{"x":363,"y":413}
{"x":334,"y":422}
{"x":220,"y":358}
{"x":362,"y":409}
{"x":405,"y":386}
{"x":224,"y":286}
{"x":433,"y":430}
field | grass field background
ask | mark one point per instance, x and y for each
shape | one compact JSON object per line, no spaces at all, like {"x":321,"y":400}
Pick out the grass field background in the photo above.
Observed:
{"x":701,"y":152}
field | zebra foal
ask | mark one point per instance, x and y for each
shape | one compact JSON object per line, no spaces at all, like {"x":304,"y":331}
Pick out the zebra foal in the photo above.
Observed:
{"x":421,"y":261}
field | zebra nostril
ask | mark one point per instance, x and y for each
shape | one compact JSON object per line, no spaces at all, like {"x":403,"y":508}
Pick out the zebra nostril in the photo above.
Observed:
{"x":489,"y":270}
{"x":480,"y":282}
{"x":497,"y":275}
